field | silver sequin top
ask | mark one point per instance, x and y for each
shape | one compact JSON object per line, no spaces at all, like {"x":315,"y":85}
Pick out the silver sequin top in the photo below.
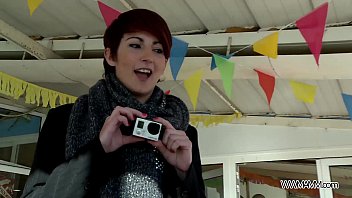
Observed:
{"x":141,"y":168}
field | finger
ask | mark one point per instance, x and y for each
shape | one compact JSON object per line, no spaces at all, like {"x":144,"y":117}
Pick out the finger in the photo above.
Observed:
{"x":166,"y":123}
{"x":115,"y":113}
{"x":123,"y":120}
{"x":175,"y":141}
{"x":126,"y":112}
{"x":169,"y":132}
{"x":111,"y":122}
{"x":136,"y":112}
{"x":181,"y":144}
{"x":166,"y":136}
{"x":129,"y":112}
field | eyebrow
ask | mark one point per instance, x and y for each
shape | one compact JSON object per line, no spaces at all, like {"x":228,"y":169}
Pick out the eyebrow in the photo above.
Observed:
{"x":140,"y":39}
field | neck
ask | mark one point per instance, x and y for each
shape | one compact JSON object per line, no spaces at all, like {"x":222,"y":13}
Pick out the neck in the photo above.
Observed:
{"x":143,"y":98}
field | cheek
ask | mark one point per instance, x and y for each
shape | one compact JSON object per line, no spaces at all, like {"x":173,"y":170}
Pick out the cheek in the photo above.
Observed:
{"x":161,"y":66}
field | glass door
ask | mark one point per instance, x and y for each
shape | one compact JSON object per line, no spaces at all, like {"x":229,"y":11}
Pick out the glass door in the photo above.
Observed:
{"x":336,"y":177}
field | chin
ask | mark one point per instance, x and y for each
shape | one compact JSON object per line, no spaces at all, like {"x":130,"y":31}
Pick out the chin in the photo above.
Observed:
{"x":140,"y":92}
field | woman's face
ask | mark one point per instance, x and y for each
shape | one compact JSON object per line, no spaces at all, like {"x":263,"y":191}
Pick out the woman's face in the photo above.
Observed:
{"x":139,"y":64}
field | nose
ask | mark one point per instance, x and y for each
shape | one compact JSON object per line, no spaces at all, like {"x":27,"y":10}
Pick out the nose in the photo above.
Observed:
{"x":147,"y":55}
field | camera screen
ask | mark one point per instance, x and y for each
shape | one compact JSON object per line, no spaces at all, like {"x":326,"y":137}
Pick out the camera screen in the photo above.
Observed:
{"x":140,"y":124}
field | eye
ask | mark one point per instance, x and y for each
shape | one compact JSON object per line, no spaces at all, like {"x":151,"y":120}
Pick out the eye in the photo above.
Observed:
{"x":159,"y":51}
{"x":135,"y":45}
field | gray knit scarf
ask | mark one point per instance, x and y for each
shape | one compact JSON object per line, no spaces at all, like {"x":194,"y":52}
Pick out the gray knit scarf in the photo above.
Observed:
{"x":90,"y":111}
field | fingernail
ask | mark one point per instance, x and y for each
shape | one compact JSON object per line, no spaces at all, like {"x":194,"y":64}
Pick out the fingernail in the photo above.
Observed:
{"x":144,"y":115}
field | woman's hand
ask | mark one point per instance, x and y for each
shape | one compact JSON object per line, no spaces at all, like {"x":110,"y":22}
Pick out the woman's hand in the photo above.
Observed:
{"x":175,"y":146}
{"x":110,"y":135}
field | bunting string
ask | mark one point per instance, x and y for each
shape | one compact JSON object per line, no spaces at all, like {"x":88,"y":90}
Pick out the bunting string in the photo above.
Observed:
{"x":311,"y":26}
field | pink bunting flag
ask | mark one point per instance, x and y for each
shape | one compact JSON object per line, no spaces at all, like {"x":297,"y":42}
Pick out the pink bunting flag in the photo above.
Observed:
{"x":267,"y":83}
{"x":109,"y":13}
{"x":167,"y":92}
{"x":312,"y":28}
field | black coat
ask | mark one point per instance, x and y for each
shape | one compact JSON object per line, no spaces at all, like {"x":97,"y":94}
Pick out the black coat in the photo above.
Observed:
{"x":52,"y":176}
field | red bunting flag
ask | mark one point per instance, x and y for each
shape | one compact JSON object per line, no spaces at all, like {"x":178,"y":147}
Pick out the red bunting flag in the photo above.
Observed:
{"x":267,"y":83}
{"x":312,"y":28}
{"x":109,"y":14}
{"x":167,"y":92}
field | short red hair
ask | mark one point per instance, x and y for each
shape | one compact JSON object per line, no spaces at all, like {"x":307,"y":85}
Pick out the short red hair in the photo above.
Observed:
{"x":134,"y":21}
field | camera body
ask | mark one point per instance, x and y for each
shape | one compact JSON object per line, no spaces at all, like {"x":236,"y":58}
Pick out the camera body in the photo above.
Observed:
{"x":144,"y":128}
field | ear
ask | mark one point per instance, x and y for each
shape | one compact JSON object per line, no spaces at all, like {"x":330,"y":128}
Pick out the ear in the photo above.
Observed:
{"x":108,"y":57}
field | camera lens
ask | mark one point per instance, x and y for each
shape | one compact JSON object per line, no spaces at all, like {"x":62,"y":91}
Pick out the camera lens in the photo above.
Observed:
{"x":153,"y":128}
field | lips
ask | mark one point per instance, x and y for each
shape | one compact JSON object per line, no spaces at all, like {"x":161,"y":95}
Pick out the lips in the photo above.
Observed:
{"x":143,"y":73}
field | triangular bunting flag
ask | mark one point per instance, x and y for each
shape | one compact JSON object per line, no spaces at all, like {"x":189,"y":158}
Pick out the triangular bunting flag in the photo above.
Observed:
{"x":312,"y":28}
{"x":33,"y":5}
{"x":226,"y":69}
{"x":303,"y":92}
{"x":192,"y":85}
{"x":177,"y":55}
{"x":347,"y":99}
{"x":109,"y":14}
{"x":213,"y":65}
{"x":268,"y":45}
{"x":267,"y":83}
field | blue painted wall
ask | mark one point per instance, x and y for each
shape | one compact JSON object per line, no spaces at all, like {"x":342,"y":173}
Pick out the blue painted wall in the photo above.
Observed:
{"x":19,"y":126}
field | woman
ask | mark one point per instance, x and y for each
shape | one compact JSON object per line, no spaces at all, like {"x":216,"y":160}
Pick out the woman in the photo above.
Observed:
{"x":81,"y":151}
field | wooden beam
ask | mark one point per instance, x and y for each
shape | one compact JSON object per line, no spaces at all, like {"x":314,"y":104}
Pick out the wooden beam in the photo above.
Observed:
{"x":29,"y":45}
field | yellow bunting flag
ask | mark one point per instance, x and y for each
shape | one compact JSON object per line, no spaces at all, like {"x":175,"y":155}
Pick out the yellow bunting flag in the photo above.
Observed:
{"x":192,"y":85}
{"x":209,"y":120}
{"x":63,"y":99}
{"x":268,"y":45}
{"x":18,"y":88}
{"x":34,"y":94}
{"x":33,"y":5}
{"x":226,"y":69}
{"x":45,"y":97}
{"x":72,"y":99}
{"x":53,"y":96}
{"x":303,"y":92}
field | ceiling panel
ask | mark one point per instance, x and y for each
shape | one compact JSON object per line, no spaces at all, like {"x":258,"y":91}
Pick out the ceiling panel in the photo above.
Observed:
{"x":283,"y":101}
{"x":245,"y":96}
{"x":266,"y":11}
{"x":211,"y":100}
{"x":328,"y":100}
{"x":295,"y":9}
{"x":342,"y":10}
{"x":9,"y":18}
{"x":332,"y":14}
{"x":208,"y":101}
{"x":332,"y":102}
{"x":177,"y":14}
{"x":42,"y":23}
{"x":234,"y":13}
{"x":346,"y":86}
